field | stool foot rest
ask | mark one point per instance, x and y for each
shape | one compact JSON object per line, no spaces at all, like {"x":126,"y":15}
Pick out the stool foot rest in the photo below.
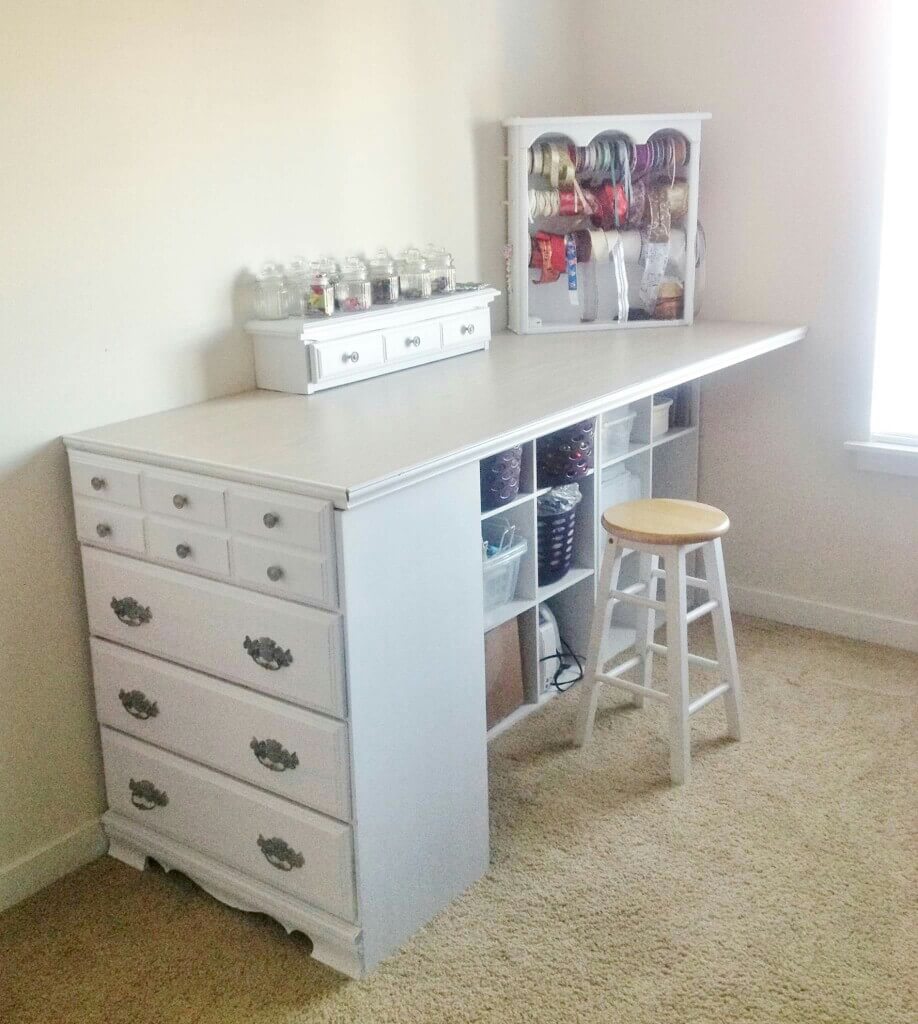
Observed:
{"x":702,"y":609}
{"x":624,"y":684}
{"x":694,"y":659}
{"x":700,"y":702}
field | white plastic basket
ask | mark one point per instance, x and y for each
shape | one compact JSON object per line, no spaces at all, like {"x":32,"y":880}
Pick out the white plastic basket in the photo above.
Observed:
{"x":616,"y":433}
{"x":501,"y":573}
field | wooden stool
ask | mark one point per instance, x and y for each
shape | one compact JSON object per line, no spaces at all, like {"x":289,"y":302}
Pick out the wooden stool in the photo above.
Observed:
{"x":661,"y":527}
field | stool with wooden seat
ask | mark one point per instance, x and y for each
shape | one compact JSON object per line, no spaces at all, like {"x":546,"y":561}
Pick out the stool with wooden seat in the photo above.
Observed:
{"x":671,"y":530}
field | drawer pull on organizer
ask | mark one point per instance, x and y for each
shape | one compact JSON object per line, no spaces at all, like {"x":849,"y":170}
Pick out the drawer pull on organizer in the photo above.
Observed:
{"x":350,"y":357}
{"x":97,"y":483}
{"x":265,"y":652}
{"x":136,"y":704}
{"x":179,"y":500}
{"x":279,"y":855}
{"x":182,"y":550}
{"x":103,"y":530}
{"x":271,"y":519}
{"x":467,"y":329}
{"x":275,"y":573}
{"x":273,"y":756}
{"x":414,"y":342}
{"x":145,"y":796}
{"x":131,"y":612}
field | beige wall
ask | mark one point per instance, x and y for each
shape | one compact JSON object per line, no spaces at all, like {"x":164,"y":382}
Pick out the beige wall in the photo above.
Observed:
{"x":149,"y":152}
{"x":791,"y":165}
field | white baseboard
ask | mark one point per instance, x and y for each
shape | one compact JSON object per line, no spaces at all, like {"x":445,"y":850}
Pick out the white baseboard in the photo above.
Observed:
{"x":830,"y":618}
{"x":41,"y":867}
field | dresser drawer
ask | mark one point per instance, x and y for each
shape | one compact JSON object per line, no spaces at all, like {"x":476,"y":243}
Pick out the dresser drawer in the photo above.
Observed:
{"x":412,"y":340}
{"x":291,"y":848}
{"x":109,"y":526}
{"x":466,"y":327}
{"x":282,"y":649}
{"x":188,"y":546}
{"x":282,"y":518}
{"x":297,"y":754}
{"x":176,"y":494}
{"x":296,"y":575}
{"x":348,"y":356}
{"x":107,"y":479}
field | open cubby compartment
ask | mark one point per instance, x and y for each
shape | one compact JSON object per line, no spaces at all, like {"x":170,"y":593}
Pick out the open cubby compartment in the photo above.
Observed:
{"x":583,"y":562}
{"x":573,"y":610}
{"x":522,"y":517}
{"x":684,"y":412}
{"x":527,"y":482}
{"x":589,"y":299}
{"x":609,"y":449}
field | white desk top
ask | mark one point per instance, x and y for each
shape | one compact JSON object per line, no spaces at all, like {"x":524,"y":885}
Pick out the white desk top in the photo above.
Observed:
{"x":356,"y":442}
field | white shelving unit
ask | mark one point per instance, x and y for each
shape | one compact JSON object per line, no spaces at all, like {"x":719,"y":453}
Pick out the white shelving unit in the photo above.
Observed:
{"x":666,"y":466}
{"x":547,"y":307}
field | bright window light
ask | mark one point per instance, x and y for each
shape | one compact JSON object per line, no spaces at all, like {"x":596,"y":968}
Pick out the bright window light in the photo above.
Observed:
{"x":894,"y":408}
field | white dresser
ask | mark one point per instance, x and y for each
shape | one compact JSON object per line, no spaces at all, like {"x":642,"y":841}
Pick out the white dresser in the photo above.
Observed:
{"x":285,"y":610}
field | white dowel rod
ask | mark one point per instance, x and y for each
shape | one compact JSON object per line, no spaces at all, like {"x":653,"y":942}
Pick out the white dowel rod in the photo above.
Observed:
{"x":706,"y":698}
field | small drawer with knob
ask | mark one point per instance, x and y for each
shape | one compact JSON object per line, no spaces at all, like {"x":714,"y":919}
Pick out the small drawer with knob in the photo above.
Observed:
{"x":186,"y":497}
{"x":187,"y":547}
{"x":282,"y":518}
{"x":466,"y":329}
{"x":109,"y":480}
{"x":108,"y":526}
{"x":412,"y":341}
{"x":296,"y":575}
{"x":348,"y":356}
{"x":290,"y":751}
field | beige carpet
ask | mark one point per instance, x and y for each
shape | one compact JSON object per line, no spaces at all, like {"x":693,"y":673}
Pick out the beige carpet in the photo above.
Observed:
{"x":778,"y":886}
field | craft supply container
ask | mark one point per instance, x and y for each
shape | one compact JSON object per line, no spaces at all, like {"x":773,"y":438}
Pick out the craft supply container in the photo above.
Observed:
{"x":442,"y":271}
{"x":383,"y":280}
{"x":352,"y":289}
{"x":297,"y":281}
{"x":500,"y":478}
{"x":501,"y":573}
{"x":556,"y":514}
{"x":413,"y":275}
{"x":565,"y":455}
{"x":269,"y":294}
{"x":320,"y":299}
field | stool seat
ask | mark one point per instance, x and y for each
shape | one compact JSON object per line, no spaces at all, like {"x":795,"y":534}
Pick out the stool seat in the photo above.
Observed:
{"x":665,"y":522}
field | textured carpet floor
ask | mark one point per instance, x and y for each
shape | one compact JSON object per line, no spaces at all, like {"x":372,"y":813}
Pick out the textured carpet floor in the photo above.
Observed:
{"x":779,"y":886}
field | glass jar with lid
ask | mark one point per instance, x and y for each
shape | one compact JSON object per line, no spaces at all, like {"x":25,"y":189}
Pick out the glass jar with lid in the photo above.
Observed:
{"x":269,"y":293}
{"x":383,"y":279}
{"x":296,"y":281}
{"x":442,"y":271}
{"x":352,"y":289}
{"x":320,"y":299}
{"x":413,"y":275}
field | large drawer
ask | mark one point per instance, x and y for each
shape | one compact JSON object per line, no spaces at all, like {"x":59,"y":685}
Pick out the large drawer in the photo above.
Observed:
{"x":297,"y":754}
{"x":279,"y":648}
{"x":291,"y":848}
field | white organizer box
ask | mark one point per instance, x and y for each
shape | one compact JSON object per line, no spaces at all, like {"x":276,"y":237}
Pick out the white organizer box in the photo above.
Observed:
{"x":547,"y":307}
{"x":303,"y":356}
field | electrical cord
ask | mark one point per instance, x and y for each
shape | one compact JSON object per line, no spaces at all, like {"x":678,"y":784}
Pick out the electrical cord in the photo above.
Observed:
{"x":564,"y":665}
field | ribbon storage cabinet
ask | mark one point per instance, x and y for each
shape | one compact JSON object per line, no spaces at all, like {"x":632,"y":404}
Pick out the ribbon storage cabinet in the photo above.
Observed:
{"x":602,"y":225}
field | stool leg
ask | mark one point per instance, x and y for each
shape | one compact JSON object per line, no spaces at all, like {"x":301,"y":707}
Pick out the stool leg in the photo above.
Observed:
{"x":677,"y":665}
{"x":723,"y":635}
{"x":646,"y":623}
{"x":608,"y":580}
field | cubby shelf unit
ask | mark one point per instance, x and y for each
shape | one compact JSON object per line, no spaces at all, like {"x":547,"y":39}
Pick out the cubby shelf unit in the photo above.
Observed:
{"x":666,"y":466}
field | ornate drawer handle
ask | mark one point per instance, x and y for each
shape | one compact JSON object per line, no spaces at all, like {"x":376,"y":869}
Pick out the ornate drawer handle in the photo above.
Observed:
{"x":279,"y":855}
{"x":136,"y":704}
{"x":350,"y":357}
{"x":271,"y":519}
{"x":103,"y":530}
{"x":275,"y":573}
{"x":265,"y":652}
{"x":415,"y":341}
{"x":273,"y":756}
{"x":131,"y":612}
{"x":97,"y":483}
{"x":145,"y":796}
{"x":467,"y":329}
{"x":182,"y":550}
{"x":179,"y":500}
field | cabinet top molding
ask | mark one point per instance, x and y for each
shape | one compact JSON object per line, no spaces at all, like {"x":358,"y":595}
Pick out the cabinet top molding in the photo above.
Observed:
{"x":361,"y":441}
{"x":530,"y":122}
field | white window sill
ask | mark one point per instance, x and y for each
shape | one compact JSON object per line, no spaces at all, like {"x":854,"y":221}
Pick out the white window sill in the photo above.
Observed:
{"x":880,"y":457}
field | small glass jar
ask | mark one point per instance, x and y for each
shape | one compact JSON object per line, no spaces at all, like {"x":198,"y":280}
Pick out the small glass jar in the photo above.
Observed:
{"x":296,"y":281}
{"x":270,"y":293}
{"x":352,"y":289}
{"x":413,"y":275}
{"x":320,"y":299}
{"x":442,"y":271}
{"x":383,"y":279}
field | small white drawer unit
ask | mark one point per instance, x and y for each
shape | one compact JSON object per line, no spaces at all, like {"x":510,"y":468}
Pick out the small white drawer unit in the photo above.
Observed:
{"x":303,"y":356}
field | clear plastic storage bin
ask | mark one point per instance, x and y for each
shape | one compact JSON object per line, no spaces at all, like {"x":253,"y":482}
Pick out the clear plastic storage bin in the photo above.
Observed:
{"x":501,"y":573}
{"x":616,"y":433}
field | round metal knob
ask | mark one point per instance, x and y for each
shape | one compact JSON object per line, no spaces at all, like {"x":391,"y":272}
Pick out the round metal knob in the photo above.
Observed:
{"x":350,"y":357}
{"x":179,"y":500}
{"x":97,"y":483}
{"x":182,"y":550}
{"x":103,"y":530}
{"x":271,"y":519}
{"x":413,"y":342}
{"x":275,"y":572}
{"x":467,"y":329}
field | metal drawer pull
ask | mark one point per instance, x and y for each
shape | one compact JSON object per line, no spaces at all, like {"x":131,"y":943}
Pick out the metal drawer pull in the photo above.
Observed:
{"x":137,"y":706}
{"x":415,"y":341}
{"x":467,"y":329}
{"x":145,"y":796}
{"x":275,"y":572}
{"x":279,"y":855}
{"x":103,"y":530}
{"x":265,"y":652}
{"x":182,"y":550}
{"x":273,"y":756}
{"x":271,"y":519}
{"x":350,"y":357}
{"x":97,"y":483}
{"x":131,"y":612}
{"x":179,"y":500}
